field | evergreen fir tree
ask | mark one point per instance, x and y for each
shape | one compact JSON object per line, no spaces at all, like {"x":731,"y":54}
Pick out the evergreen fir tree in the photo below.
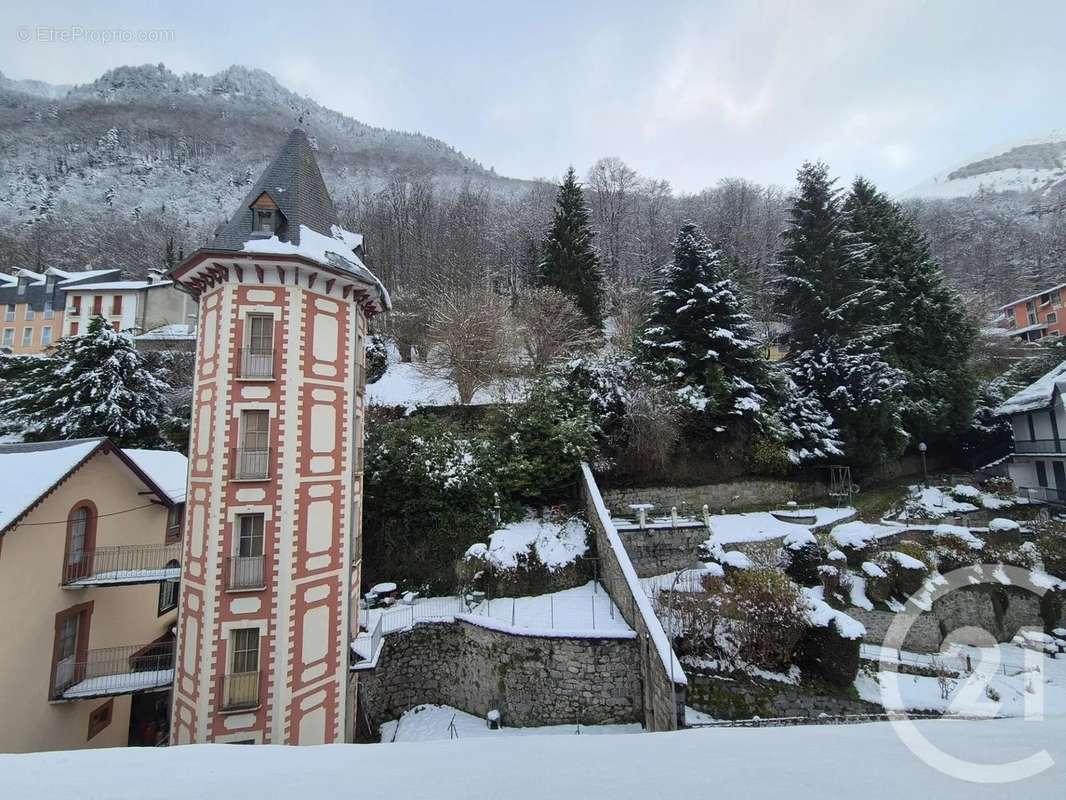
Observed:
{"x":91,"y":385}
{"x":931,"y":337}
{"x":168,"y":254}
{"x":699,"y":336}
{"x":569,"y":260}
{"x":838,"y":314}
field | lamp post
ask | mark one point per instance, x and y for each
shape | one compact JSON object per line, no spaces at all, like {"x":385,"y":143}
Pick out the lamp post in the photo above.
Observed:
{"x":922,"y":447}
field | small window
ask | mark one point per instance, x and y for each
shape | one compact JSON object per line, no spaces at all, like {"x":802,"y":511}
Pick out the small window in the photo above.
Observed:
{"x":98,"y":305}
{"x":73,"y":329}
{"x":1041,"y":474}
{"x":250,"y":535}
{"x":1045,"y":299}
{"x":9,"y":313}
{"x":174,"y":518}
{"x":49,"y":311}
{"x":1052,"y":317}
{"x":75,"y":307}
{"x":9,"y":338}
{"x":46,"y":335}
{"x":23,"y":282}
{"x":1056,"y":297}
{"x":264,"y":220}
{"x":79,"y":529}
{"x":255,"y":434}
{"x":245,"y":644}
{"x":29,"y":314}
{"x":116,"y":305}
{"x":27,"y":337}
{"x":100,"y":718}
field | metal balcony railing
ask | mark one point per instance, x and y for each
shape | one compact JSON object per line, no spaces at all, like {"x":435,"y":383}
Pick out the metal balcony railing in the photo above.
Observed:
{"x":251,"y":463}
{"x":244,"y":573}
{"x":114,"y":670}
{"x":1043,"y":494}
{"x":256,"y":363}
{"x":124,"y":564}
{"x":239,"y":690}
{"x":1040,"y":446}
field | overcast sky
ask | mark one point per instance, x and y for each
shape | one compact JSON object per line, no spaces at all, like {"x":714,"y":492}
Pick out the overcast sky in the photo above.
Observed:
{"x":687,"y":91}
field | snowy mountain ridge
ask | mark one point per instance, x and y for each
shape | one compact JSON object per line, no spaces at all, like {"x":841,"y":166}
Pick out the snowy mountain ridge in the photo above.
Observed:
{"x":144,"y":137}
{"x":1028,"y":166}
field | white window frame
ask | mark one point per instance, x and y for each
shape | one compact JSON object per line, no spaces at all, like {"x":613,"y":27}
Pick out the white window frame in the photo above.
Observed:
{"x":46,"y":335}
{"x":27,"y":337}
{"x":8,"y":339}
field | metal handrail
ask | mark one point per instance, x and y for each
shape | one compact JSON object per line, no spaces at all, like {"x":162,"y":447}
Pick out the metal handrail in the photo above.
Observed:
{"x":244,"y":573}
{"x":1044,"y":494}
{"x":251,"y":463}
{"x":1023,"y":446}
{"x":239,"y":690}
{"x":256,"y":363}
{"x":114,"y":670}
{"x":124,"y":563}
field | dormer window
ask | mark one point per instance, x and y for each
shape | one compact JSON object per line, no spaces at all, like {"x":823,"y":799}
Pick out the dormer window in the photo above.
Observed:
{"x":23,"y":283}
{"x":265,"y":221}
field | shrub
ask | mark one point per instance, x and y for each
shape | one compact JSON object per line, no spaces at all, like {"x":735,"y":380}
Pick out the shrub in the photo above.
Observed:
{"x":823,"y":652}
{"x":429,"y":495}
{"x":377,"y":359}
{"x":916,"y":551}
{"x":766,"y":456}
{"x":1052,"y":549}
{"x":539,"y":444}
{"x":769,"y":617}
{"x":1024,"y":555}
{"x":803,"y":562}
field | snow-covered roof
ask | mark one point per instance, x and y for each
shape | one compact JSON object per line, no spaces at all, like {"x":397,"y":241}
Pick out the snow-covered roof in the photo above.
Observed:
{"x":7,"y":280}
{"x":168,"y":333}
{"x":78,"y":278}
{"x":1031,"y":296}
{"x":337,"y":251}
{"x":36,"y":277}
{"x":116,"y":286}
{"x":1034,"y":396}
{"x":167,"y":469}
{"x":30,"y":470}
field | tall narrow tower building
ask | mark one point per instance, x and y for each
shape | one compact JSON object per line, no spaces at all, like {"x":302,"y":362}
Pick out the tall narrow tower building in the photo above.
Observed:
{"x":270,"y":569}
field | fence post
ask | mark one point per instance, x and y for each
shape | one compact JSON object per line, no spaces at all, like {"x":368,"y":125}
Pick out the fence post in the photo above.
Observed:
{"x":513,"y":601}
{"x":593,"y":599}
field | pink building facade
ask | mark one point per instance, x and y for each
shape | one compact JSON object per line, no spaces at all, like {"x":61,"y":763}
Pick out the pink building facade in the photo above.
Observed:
{"x":272,"y":554}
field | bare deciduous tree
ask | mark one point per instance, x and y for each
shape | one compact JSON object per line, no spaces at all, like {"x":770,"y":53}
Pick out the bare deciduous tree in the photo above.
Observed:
{"x":466,"y":331}
{"x":549,"y":328}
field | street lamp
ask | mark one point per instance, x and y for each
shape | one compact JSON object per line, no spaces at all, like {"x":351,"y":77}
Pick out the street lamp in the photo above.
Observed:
{"x":922,"y":447}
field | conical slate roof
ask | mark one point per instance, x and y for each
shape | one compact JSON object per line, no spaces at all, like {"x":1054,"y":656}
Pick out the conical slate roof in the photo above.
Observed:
{"x":294,"y":182}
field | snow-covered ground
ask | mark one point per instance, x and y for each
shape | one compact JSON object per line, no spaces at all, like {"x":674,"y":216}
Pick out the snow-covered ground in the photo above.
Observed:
{"x":583,"y":610}
{"x":428,"y":723}
{"x":862,"y":761}
{"x":406,"y":385}
{"x":1006,"y":681}
{"x":759,"y":526}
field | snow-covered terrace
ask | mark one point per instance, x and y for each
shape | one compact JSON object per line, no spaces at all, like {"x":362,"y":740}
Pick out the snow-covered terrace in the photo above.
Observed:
{"x":112,"y":671}
{"x":582,"y":612}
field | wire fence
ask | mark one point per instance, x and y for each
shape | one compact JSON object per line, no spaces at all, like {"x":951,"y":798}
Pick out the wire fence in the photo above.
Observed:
{"x":592,"y":611}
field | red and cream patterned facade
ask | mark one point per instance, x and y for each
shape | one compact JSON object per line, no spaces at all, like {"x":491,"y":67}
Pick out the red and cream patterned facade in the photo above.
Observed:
{"x":271,"y":565}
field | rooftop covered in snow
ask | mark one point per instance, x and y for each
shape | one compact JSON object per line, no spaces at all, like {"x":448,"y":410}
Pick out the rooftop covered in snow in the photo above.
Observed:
{"x":1036,"y":395}
{"x":32,"y":470}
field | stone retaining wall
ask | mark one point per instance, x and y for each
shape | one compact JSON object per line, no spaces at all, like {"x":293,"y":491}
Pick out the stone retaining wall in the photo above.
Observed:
{"x":530,"y":680}
{"x":735,"y":494}
{"x":741,"y":696}
{"x":662,"y":677}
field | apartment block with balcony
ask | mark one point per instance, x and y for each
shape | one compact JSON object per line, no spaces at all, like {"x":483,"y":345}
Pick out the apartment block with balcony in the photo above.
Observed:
{"x":1036,"y":316}
{"x":90,"y":541}
{"x":1038,"y":419}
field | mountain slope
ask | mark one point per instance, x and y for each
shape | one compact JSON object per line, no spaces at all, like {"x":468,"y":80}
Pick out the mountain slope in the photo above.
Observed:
{"x":144,"y":138}
{"x":1033,"y":166}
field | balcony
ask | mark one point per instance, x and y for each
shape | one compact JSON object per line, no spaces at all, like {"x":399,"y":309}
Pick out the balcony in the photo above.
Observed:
{"x":251,"y":464}
{"x":124,"y":565}
{"x":114,"y":670}
{"x":1043,"y":494}
{"x":239,"y":691}
{"x":1038,"y":447}
{"x":257,"y":364}
{"x":244,"y":573}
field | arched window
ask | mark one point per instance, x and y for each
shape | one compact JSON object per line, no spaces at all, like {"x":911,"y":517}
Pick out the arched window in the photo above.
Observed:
{"x":81,"y":539}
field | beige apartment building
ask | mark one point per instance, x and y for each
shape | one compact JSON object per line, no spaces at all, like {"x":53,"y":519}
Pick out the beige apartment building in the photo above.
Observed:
{"x":89,"y":561}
